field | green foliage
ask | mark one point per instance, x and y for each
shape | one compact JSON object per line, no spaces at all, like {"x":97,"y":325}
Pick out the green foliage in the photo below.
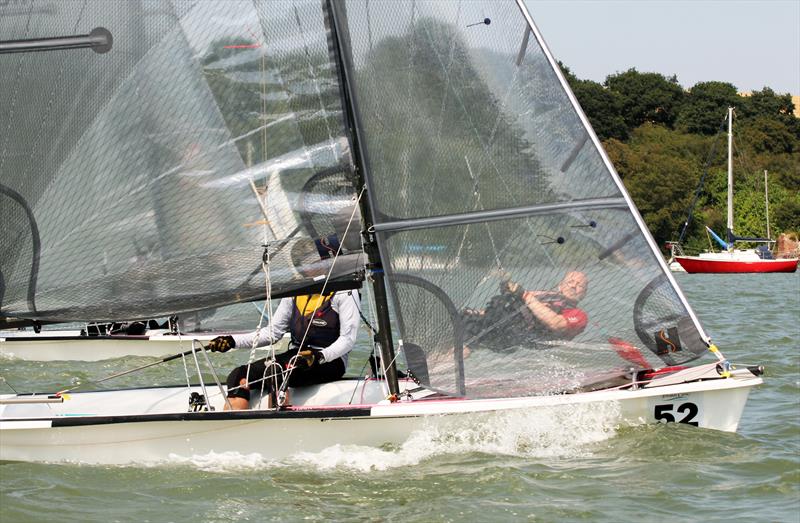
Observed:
{"x":647,"y":97}
{"x":705,"y":106}
{"x":768,"y":135}
{"x":767,"y":103}
{"x":674,"y":136}
{"x":659,"y":168}
{"x":784,"y":209}
{"x":602,"y":106}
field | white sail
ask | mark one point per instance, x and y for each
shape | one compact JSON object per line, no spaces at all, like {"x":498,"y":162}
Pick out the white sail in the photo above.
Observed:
{"x":126,"y":182}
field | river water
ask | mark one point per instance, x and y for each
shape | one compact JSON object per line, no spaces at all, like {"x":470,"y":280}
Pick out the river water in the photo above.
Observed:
{"x":526,"y":468}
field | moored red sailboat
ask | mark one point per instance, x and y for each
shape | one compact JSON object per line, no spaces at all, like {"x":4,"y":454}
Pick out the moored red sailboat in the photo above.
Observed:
{"x":732,"y":260}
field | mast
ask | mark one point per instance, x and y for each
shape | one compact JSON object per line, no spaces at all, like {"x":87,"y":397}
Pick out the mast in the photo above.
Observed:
{"x":340,"y":42}
{"x":730,"y":175}
{"x":766,"y":201}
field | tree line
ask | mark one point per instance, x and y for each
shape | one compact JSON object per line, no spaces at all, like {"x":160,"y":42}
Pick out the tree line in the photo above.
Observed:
{"x":662,"y":138}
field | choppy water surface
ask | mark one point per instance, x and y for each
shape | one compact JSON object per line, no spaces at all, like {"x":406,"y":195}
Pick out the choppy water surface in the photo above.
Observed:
{"x":578,"y":467}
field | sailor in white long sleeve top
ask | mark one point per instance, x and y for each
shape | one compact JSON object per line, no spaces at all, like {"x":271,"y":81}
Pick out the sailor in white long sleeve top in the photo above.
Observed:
{"x":323,"y":331}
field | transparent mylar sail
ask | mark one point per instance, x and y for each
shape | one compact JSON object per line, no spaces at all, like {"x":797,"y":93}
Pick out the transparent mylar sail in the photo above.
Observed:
{"x":485,"y":183}
{"x":126,"y":178}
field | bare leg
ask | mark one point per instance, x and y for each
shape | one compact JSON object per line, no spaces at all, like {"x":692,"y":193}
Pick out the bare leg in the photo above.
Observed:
{"x":238,"y":403}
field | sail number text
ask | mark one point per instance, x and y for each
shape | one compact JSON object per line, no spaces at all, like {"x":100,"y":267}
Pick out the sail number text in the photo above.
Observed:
{"x":685,"y":411}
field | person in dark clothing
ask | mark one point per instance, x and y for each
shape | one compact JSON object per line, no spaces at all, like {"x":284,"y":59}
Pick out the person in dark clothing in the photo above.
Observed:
{"x":516,"y":316}
{"x":323,"y":331}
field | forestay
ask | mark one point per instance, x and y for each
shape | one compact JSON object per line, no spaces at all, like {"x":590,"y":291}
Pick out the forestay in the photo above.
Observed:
{"x":482,"y":169}
{"x":125,"y":176}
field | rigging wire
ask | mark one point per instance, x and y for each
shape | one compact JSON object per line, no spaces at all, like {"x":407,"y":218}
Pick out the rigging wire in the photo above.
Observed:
{"x":195,"y":344}
{"x":312,"y":73}
{"x":4,"y":380}
{"x":476,"y":192}
{"x":699,"y":188}
{"x":373,"y":311}
{"x":267,"y":309}
{"x":747,"y":166}
{"x":285,"y":383}
{"x":361,"y":374}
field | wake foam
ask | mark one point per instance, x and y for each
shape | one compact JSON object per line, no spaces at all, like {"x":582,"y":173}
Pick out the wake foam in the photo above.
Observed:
{"x":563,"y":431}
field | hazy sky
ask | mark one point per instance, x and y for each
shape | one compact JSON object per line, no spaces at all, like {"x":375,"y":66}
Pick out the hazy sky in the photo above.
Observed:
{"x":748,"y":43}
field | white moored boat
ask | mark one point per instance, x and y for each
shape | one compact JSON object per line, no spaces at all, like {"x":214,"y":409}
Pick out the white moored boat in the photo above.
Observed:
{"x":71,"y":345}
{"x":507,"y":268}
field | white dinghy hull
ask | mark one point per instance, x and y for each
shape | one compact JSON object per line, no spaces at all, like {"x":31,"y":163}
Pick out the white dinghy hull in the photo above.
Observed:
{"x":71,"y":346}
{"x":160,"y":431}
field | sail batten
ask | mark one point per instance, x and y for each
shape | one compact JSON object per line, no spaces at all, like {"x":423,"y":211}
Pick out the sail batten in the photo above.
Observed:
{"x":488,"y":216}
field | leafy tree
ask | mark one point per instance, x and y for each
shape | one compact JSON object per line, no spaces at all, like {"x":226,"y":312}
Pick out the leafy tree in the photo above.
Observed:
{"x":647,"y":97}
{"x":602,"y":106}
{"x":784,"y":212}
{"x":660,"y":171}
{"x":661,"y":167}
{"x":768,"y":104}
{"x":705,"y":106}
{"x":768,"y":135}
{"x":603,"y":109}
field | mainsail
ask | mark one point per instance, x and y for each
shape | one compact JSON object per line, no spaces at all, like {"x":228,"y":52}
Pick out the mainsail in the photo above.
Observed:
{"x":480,"y":168}
{"x":127,"y":176}
{"x":129,"y":180}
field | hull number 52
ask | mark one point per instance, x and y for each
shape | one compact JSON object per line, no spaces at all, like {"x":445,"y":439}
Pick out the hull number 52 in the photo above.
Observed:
{"x":686,"y":413}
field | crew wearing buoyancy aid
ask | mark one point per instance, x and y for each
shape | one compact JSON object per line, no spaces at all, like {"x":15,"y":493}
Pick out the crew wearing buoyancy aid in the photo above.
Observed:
{"x":507,"y":321}
{"x":333,"y":320}
{"x":317,"y":311}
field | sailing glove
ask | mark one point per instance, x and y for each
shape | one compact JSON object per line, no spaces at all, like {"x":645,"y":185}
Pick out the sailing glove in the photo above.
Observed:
{"x":511,"y":287}
{"x":221,"y":344}
{"x":307,"y":358}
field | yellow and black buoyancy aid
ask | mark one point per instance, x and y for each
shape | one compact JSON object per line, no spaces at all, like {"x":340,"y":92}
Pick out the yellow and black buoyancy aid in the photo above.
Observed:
{"x":324,"y":322}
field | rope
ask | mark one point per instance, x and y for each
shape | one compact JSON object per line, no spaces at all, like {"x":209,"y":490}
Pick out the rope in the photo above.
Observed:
{"x":360,"y":375}
{"x":285,"y":383}
{"x":266,"y":267}
{"x":702,"y":180}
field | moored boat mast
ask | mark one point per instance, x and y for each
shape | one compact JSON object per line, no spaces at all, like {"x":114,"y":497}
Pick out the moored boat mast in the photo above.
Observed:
{"x":730,"y":178}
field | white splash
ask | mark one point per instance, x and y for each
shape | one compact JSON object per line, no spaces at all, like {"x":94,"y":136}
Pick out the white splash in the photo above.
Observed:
{"x":558,"y":432}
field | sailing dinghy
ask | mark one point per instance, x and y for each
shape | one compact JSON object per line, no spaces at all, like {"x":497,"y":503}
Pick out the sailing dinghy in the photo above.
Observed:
{"x":102,"y":341}
{"x":75,"y":345}
{"x":443,"y":132}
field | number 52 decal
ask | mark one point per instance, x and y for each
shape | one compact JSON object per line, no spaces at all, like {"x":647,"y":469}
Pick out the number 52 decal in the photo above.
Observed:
{"x":685,"y":412}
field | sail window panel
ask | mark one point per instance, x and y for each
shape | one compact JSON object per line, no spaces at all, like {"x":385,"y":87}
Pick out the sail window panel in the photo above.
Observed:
{"x":465,"y":302}
{"x":136,"y":164}
{"x":451,"y":122}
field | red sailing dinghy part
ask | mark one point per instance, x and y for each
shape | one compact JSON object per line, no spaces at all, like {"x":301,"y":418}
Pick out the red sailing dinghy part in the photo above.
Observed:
{"x":628,"y":352}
